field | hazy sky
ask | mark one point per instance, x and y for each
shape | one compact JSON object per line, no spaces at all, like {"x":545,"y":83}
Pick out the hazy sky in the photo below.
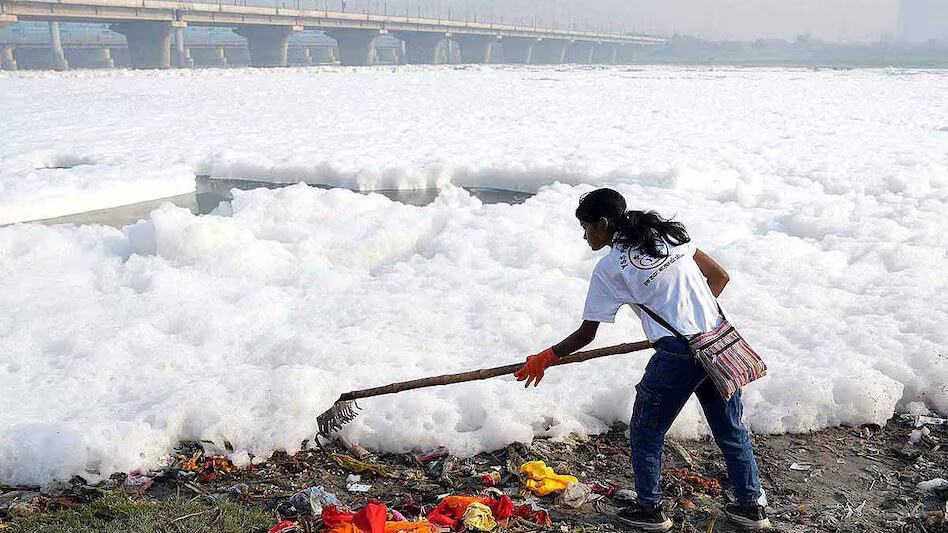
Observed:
{"x":713,"y":19}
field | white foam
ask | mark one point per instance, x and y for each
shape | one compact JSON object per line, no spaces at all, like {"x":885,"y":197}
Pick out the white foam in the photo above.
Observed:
{"x":826,"y":206}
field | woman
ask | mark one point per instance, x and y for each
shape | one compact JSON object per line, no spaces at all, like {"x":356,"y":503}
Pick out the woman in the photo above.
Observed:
{"x":653,"y":265}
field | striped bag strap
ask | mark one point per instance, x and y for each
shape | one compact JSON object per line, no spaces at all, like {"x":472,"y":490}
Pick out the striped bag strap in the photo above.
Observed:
{"x":668,"y":326}
{"x":662,"y":322}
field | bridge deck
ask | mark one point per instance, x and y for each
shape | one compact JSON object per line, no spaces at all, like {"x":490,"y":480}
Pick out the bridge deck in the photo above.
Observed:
{"x":204,"y":14}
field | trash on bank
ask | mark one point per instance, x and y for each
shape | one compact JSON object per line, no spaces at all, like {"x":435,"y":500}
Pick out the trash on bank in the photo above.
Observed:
{"x":801,"y":467}
{"x":357,"y":466}
{"x":284,"y":526}
{"x":353,"y":484}
{"x":479,"y":517}
{"x":370,"y":519}
{"x":542,"y":480}
{"x":576,"y":495}
{"x":450,"y":512}
{"x":935,"y":486}
{"x":312,"y":500}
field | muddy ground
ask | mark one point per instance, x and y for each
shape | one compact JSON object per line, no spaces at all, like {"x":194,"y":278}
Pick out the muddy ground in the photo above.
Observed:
{"x":843,"y":479}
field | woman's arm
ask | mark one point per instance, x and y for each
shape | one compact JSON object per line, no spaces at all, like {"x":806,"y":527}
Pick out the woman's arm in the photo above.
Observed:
{"x":715,"y":273}
{"x":577,"y":339}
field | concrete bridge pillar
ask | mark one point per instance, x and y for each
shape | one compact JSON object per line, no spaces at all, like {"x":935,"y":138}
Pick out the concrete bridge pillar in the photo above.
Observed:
{"x":267,"y":44}
{"x":7,"y":61}
{"x":322,"y":54}
{"x":628,"y":54}
{"x":518,"y":49}
{"x":387,"y":55}
{"x":182,"y":55}
{"x":550,"y":51}
{"x":90,"y":57}
{"x":149,"y":43}
{"x":56,"y":47}
{"x":476,"y":48}
{"x":356,"y":47}
{"x":299,"y":55}
{"x":423,"y":48}
{"x":605,"y":53}
{"x":580,"y":52}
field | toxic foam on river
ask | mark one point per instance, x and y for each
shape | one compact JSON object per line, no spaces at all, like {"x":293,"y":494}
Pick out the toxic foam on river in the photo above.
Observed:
{"x":822,"y":194}
{"x":115,"y":345}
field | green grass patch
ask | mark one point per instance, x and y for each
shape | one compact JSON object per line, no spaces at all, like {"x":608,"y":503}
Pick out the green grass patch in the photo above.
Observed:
{"x":118,"y":514}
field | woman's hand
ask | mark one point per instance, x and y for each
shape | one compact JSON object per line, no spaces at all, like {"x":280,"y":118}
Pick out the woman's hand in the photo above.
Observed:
{"x":533,"y":370}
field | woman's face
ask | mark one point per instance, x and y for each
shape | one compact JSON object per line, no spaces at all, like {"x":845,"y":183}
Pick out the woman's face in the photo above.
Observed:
{"x":597,"y":233}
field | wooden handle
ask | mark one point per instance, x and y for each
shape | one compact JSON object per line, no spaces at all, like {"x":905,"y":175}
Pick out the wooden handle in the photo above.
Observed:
{"x":486,"y":373}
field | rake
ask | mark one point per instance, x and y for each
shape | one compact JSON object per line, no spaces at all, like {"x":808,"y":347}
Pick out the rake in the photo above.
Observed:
{"x":346,"y":409}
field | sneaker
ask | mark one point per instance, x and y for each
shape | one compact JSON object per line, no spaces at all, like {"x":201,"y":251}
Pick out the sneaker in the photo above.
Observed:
{"x":748,"y":515}
{"x":646,"y":518}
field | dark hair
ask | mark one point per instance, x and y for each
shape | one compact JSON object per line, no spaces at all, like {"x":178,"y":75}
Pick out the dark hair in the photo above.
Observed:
{"x":637,"y":229}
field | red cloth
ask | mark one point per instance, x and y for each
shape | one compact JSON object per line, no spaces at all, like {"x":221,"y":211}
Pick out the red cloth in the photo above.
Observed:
{"x":332,"y":516}
{"x":371,"y":518}
{"x":282,"y":526}
{"x":537,"y":517}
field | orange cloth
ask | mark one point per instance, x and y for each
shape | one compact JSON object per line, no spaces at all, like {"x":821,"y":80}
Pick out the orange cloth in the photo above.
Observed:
{"x":413,"y":527}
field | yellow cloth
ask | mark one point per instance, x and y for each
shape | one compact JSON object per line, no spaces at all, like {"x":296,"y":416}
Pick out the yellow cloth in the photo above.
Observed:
{"x":478,"y":517}
{"x":542,"y":480}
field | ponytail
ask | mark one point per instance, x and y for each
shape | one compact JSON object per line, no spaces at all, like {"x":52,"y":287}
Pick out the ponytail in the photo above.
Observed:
{"x":644,"y":230}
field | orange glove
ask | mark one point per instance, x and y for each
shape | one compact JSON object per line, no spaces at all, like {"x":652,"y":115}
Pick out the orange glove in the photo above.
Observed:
{"x":532,"y":371}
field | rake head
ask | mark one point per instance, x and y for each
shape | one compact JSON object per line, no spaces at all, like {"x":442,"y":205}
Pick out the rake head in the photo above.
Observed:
{"x":341,"y":413}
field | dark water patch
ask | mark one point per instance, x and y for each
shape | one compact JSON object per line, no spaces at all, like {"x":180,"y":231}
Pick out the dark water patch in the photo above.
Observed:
{"x":211,"y":192}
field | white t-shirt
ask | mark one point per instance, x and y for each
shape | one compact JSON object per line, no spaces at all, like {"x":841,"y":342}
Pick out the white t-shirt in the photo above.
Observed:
{"x":672,"y":287}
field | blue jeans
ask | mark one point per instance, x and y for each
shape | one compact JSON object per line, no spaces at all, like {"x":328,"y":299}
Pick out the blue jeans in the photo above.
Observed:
{"x":670,"y":379}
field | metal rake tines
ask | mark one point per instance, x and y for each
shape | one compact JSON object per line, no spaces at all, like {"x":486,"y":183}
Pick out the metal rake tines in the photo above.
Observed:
{"x":340,"y":414}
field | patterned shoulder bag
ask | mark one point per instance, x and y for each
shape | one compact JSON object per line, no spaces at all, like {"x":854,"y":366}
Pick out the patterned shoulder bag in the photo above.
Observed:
{"x":730,"y":362}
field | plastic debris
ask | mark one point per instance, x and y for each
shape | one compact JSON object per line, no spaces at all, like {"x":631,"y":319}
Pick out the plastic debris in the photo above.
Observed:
{"x":602,"y":488}
{"x":576,"y":495}
{"x":490,"y":479}
{"x":703,"y":484}
{"x":921,"y":420}
{"x":478,"y":517}
{"x":353,"y":484}
{"x":313,"y":499}
{"x":541,"y":480}
{"x":284,"y":527}
{"x":438,"y":453}
{"x":681,"y":451}
{"x":357,"y":466}
{"x":936,"y":485}
{"x":532,"y":512}
{"x":625,"y":495}
{"x":801,"y":467}
{"x":139,"y":479}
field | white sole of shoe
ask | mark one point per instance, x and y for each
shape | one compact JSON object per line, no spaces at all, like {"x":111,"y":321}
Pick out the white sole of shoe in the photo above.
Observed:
{"x":747,"y":523}
{"x":649,"y":526}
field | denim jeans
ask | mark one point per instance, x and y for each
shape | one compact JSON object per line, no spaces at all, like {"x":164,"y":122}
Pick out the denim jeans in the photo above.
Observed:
{"x":670,"y":379}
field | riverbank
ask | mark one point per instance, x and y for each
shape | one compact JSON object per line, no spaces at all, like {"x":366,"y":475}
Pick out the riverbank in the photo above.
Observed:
{"x":840,"y":479}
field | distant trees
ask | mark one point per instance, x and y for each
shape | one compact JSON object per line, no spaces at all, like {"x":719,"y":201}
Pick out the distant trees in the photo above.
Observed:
{"x":802,"y":51}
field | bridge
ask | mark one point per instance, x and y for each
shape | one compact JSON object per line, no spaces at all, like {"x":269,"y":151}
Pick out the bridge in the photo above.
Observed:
{"x":148,"y":26}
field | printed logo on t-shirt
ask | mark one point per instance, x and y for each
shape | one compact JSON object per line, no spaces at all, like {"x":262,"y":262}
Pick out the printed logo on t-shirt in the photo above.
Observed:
{"x":643,"y":261}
